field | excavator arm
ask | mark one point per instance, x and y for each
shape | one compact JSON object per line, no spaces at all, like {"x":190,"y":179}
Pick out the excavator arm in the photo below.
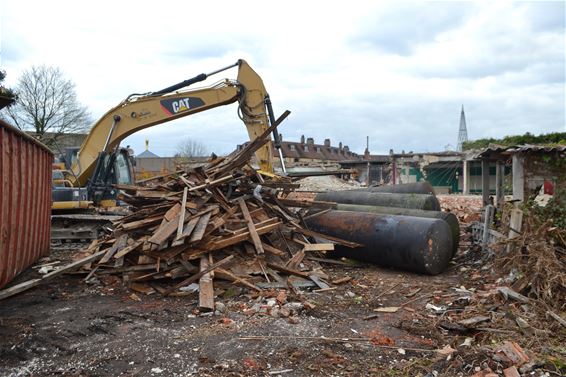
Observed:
{"x":141,"y":111}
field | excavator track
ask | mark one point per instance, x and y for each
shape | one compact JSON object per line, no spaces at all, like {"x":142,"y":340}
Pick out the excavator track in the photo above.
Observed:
{"x":68,"y":229}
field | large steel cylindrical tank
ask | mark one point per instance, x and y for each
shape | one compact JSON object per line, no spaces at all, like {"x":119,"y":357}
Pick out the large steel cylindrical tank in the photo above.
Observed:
{"x":449,"y":217}
{"x":416,"y":201}
{"x":25,"y":201}
{"x":422,"y":187}
{"x":415,"y":244}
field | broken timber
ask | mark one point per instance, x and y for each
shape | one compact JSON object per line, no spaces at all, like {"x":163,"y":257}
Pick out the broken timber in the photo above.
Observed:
{"x":223,"y":211}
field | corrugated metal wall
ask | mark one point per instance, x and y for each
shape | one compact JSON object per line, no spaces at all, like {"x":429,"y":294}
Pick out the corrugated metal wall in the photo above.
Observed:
{"x":25,"y":201}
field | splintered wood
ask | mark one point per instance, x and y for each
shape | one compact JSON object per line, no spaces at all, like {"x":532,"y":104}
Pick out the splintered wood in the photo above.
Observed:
{"x":219,"y":223}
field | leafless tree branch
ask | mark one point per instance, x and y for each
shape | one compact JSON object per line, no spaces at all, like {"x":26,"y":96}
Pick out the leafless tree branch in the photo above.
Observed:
{"x":47,"y":104}
{"x":191,"y":148}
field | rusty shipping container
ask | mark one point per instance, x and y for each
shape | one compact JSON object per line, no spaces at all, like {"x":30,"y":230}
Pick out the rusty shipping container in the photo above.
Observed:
{"x":25,"y":201}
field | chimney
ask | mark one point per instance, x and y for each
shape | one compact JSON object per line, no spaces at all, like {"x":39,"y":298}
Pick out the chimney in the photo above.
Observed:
{"x":280,"y":137}
{"x":346,"y":148}
{"x":327,"y":142}
{"x":340,"y":146}
{"x":302,"y":139}
{"x":310,"y":141}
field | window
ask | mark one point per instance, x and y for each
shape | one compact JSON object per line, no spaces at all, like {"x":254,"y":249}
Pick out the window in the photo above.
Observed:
{"x":292,"y":147}
{"x":122,"y":169}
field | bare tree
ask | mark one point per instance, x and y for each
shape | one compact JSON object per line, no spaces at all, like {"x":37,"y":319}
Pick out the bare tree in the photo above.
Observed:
{"x":47,"y":105}
{"x":7,"y":95}
{"x":191,"y":148}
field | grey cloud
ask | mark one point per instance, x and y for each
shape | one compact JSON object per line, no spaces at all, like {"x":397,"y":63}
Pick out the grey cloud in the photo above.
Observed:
{"x":400,"y":28}
{"x":546,"y":15}
{"x":502,"y":53}
{"x":424,"y":124}
{"x":14,"y":50}
{"x":213,"y":46}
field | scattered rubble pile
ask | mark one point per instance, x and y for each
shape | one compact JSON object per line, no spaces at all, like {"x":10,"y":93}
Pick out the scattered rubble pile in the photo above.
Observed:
{"x":535,"y":260}
{"x":221,"y":220}
{"x":515,"y":294}
{"x":465,"y":207}
{"x":326,"y":183}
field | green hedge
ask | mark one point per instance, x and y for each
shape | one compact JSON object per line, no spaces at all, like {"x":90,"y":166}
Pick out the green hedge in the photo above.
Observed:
{"x":554,"y":138}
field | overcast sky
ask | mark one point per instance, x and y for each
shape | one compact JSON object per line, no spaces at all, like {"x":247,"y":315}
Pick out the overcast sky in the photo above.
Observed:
{"x":397,"y":72}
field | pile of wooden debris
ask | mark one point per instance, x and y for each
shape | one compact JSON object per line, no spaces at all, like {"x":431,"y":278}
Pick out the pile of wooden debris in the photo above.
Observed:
{"x":221,"y":220}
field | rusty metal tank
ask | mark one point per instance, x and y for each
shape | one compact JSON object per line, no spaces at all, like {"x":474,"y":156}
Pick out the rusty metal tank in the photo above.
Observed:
{"x":415,"y":244}
{"x":450,"y":218}
{"x":416,"y":201}
{"x":25,"y":201}
{"x":422,"y":187}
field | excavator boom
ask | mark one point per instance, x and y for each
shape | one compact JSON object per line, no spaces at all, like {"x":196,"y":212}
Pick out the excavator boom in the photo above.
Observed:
{"x":142,"y":111}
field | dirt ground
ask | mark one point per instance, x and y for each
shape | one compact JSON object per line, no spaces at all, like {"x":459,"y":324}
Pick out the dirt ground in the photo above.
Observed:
{"x":70,"y":328}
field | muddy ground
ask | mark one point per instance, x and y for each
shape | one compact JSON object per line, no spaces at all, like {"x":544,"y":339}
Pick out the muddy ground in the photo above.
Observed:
{"x":71,"y":328}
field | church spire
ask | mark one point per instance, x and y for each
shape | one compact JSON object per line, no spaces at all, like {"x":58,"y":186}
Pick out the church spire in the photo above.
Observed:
{"x":463,"y":132}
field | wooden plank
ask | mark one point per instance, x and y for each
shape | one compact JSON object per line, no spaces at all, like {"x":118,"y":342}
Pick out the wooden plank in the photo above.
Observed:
{"x":129,"y":248}
{"x":189,"y":228}
{"x":19,"y":288}
{"x":307,"y":203}
{"x":316,"y":279}
{"x":296,"y":260}
{"x":182,"y":216}
{"x":188,"y":266}
{"x":164,"y":231}
{"x":273,"y":250}
{"x":172,"y":213}
{"x":200,"y":228}
{"x":159,"y":177}
{"x":120,"y":243}
{"x":261,"y":224}
{"x":319,"y":247}
{"x":213,"y":183}
{"x":198,"y":276}
{"x":142,"y":223}
{"x":186,"y":181}
{"x":251,"y":227}
{"x":335,"y":261}
{"x":155,"y":194}
{"x":240,"y":237}
{"x":225,"y":274}
{"x":206,"y":288}
{"x":139,"y":267}
{"x":288,"y":271}
{"x":167,"y":254}
{"x":35,"y":282}
{"x":337,"y":240}
{"x":145,"y":259}
{"x":142,"y":288}
{"x":515,"y":223}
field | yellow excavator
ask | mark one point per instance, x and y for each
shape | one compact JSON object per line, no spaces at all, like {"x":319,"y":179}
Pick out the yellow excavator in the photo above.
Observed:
{"x":91,"y":172}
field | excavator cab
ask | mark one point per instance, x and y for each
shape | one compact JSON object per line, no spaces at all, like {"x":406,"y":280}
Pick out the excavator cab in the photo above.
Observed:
{"x":111,"y":168}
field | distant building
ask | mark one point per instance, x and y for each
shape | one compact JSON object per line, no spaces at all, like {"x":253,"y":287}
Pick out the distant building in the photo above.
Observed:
{"x":148,"y":164}
{"x":58,"y":142}
{"x":147,"y":154}
{"x":305,"y":152}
